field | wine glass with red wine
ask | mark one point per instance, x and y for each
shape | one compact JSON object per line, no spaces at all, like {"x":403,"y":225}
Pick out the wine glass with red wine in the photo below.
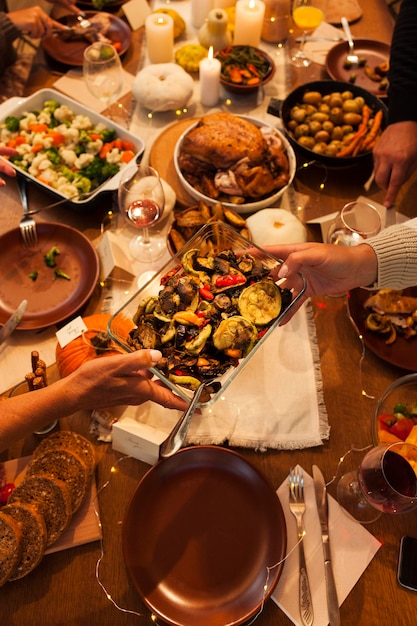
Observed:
{"x":141,"y":200}
{"x":386,"y":482}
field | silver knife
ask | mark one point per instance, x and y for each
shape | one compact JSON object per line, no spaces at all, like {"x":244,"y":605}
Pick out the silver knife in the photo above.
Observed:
{"x":322,"y":507}
{"x":13,"y":321}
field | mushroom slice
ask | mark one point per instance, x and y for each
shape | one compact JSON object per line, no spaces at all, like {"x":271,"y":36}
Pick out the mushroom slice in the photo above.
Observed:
{"x":261,"y":302}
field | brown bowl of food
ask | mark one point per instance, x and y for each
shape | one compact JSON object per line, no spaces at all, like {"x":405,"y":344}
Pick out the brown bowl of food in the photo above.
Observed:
{"x":244,"y":69}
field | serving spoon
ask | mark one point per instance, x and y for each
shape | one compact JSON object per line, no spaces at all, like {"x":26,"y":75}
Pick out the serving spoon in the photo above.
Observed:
{"x":351,"y":57}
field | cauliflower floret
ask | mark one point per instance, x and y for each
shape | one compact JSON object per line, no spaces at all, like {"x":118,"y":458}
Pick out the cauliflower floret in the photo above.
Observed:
{"x":63,"y":113}
{"x":83,"y":160}
{"x":71,"y":136}
{"x":114,"y":156}
{"x":49,"y":177}
{"x":67,"y":189}
{"x":25,"y":122}
{"x":68,"y":156}
{"x":39,"y":164}
{"x":24,"y":150}
{"x":81,"y":121}
{"x":94,"y":147}
{"x":100,"y":127}
{"x":44,"y":117}
{"x":6,"y":135}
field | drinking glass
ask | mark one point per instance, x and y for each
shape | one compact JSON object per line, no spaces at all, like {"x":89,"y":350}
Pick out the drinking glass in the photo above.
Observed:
{"x":386,"y":482}
{"x":141,"y":200}
{"x":103,"y":74}
{"x":354,"y":223}
{"x":307,"y":15}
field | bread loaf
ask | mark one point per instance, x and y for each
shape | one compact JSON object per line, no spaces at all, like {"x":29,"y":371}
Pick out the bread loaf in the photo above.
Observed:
{"x":72,"y":441}
{"x":10,"y":545}
{"x":51,"y":497}
{"x":68,"y":467}
{"x":33,"y":543}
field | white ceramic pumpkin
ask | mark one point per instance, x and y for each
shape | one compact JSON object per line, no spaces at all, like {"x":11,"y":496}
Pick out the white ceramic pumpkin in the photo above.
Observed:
{"x":163,"y":87}
{"x":271,"y":226}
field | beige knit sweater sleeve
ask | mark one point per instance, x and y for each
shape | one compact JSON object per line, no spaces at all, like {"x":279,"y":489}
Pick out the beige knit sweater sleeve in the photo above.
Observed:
{"x":396,"y":251}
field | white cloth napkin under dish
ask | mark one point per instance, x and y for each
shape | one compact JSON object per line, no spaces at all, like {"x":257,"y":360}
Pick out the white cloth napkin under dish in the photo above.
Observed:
{"x":352,"y":549}
{"x":276,"y":401}
{"x":317,"y":50}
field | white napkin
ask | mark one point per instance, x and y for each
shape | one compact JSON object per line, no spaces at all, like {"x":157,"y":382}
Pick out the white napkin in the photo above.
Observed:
{"x":352,"y":549}
{"x":317,"y":50}
{"x":276,"y":401}
{"x":72,"y":85}
{"x":15,"y":354}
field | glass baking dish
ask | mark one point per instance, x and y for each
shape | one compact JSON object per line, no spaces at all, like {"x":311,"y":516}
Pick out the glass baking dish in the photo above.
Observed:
{"x":215,"y":236}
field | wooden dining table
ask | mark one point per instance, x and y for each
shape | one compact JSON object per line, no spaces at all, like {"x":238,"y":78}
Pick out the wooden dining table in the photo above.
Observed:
{"x":65,"y":589}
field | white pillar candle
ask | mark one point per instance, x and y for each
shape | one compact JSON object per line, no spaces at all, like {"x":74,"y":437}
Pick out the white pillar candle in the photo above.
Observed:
{"x":160,"y":37}
{"x":249,"y":22}
{"x":210,"y":80}
{"x":199,"y":11}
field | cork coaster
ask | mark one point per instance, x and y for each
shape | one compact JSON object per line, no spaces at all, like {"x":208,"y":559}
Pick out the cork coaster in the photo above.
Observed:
{"x":336,"y":9}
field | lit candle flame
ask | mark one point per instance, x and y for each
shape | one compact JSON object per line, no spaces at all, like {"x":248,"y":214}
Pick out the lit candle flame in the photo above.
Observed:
{"x":251,"y":4}
{"x":160,"y":21}
{"x":210,"y":53}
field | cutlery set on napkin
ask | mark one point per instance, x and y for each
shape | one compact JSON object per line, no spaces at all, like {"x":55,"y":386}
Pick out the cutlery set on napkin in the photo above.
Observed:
{"x":337,"y":551}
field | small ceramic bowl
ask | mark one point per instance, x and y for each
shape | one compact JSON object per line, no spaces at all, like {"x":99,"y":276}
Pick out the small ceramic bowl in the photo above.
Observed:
{"x":251,"y":67}
{"x":398,"y":405}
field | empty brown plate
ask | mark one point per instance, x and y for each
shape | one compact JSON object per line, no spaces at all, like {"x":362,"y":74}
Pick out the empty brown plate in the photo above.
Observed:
{"x":50,"y":300}
{"x":203,"y":538}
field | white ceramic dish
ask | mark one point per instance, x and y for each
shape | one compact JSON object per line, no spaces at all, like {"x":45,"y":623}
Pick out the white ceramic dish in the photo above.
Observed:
{"x":18,"y":106}
{"x":247,"y":207}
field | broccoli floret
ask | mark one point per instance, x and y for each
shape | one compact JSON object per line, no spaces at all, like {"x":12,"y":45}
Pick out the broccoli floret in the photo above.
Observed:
{"x":109,"y":170}
{"x":83,"y":184}
{"x":49,"y":257}
{"x":12,"y":123}
{"x":60,"y":274}
{"x":51,"y":105}
{"x":84,"y":136}
{"x":99,"y":170}
{"x":109,"y":134}
{"x":67,"y":172}
{"x":34,"y":275}
{"x":54,"y":156}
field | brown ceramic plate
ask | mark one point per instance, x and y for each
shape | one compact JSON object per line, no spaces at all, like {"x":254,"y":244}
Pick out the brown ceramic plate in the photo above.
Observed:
{"x":199,"y":536}
{"x":402,"y":353}
{"x":72,"y":52}
{"x":375,"y":52}
{"x":50,"y":300}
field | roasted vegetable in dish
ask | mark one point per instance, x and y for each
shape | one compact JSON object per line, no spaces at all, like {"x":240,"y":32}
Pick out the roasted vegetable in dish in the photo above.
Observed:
{"x":210,"y":312}
{"x":243,"y":65}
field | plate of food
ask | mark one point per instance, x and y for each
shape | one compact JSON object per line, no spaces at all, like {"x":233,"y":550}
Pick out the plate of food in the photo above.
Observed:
{"x":57,"y":278}
{"x":204,"y":538}
{"x":387,"y":321}
{"x":198,"y":310}
{"x":370,"y":74}
{"x":239,"y":161}
{"x":68,"y":47}
{"x":78,"y":165}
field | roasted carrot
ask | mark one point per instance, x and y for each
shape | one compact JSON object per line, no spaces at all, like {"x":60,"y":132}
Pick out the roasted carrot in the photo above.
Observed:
{"x":374,"y":130}
{"x":356,"y":139}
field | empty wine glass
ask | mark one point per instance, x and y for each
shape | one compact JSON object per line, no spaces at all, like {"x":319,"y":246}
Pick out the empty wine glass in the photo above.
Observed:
{"x":386,"y":482}
{"x":354,"y":223}
{"x":307,"y":15}
{"x":141,"y":200}
{"x":103,"y":74}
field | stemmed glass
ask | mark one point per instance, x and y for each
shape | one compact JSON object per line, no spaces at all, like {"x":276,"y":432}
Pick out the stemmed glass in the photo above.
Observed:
{"x":141,"y":200}
{"x":386,"y":482}
{"x":355,"y":222}
{"x":307,"y":15}
{"x":103,"y":74}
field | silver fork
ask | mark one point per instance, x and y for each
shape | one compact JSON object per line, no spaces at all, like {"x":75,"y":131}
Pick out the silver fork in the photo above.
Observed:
{"x":27,"y":224}
{"x":297,"y":508}
{"x":351,"y":57}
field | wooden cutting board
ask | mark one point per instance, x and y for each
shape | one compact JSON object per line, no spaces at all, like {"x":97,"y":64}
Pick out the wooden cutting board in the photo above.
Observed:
{"x":161,"y":157}
{"x":84,"y":526}
{"x":336,"y":9}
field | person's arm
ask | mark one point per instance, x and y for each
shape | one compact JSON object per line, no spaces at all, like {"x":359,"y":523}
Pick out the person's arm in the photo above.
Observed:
{"x":395,"y":153}
{"x":34,"y":22}
{"x":100,"y":383}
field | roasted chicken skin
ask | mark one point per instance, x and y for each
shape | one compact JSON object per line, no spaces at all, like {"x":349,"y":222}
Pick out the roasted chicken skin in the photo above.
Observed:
{"x":229,"y":158}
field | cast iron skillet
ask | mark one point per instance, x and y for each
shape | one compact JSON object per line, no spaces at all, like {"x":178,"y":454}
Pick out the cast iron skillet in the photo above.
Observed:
{"x":325,"y":87}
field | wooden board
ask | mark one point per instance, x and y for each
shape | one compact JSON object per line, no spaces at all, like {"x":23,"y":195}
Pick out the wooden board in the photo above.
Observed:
{"x":161,"y":157}
{"x":84,"y":526}
{"x":336,"y":9}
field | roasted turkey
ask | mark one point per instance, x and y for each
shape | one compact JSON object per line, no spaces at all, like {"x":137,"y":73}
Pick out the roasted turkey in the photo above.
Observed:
{"x":229,"y":158}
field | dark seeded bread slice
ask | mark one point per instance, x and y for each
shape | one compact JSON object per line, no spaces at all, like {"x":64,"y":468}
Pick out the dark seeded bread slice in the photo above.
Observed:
{"x":33,"y":529}
{"x":68,"y":467}
{"x":10,"y":545}
{"x":51,"y":497}
{"x":72,"y":441}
